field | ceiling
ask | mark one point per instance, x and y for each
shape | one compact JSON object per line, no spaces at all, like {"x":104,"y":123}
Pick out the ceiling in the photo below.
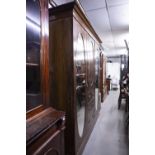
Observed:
{"x":110,"y":19}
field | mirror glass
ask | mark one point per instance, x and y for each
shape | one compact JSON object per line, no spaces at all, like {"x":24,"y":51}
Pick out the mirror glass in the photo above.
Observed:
{"x":96,"y":78}
{"x":90,"y":58}
{"x":90,"y":73}
{"x":80,"y":71}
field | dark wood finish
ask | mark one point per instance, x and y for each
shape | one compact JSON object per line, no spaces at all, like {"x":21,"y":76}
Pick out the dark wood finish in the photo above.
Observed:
{"x":44,"y":59}
{"x":61,"y":68}
{"x":44,"y":125}
{"x":43,"y":98}
{"x":108,"y":81}
{"x":67,"y":22}
{"x":34,"y":111}
{"x":45,"y":133}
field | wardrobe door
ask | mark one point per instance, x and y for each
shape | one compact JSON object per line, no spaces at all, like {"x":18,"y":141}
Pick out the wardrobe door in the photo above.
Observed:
{"x":97,"y":78}
{"x":90,"y":72}
{"x":80,"y":87}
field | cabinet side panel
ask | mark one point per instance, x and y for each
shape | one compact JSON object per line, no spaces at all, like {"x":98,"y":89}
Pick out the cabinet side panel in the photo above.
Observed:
{"x":61,"y":74}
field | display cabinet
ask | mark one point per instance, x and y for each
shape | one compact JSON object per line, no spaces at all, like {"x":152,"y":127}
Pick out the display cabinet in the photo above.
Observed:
{"x":44,"y":125}
{"x":37,"y":74}
{"x":74,"y":52}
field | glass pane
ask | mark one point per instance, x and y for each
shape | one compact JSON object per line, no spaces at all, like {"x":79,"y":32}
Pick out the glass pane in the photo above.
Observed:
{"x":90,"y":58}
{"x":97,"y":62}
{"x":90,"y":72}
{"x":80,"y":84}
{"x":33,"y":89}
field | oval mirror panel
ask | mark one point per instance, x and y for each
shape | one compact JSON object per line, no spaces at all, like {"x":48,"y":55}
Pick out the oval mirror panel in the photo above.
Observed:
{"x":96,"y":78}
{"x":80,"y":83}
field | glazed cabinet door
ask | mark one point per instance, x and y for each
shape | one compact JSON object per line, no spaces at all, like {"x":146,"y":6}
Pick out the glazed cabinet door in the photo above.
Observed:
{"x":33,"y":47}
{"x":37,"y":75}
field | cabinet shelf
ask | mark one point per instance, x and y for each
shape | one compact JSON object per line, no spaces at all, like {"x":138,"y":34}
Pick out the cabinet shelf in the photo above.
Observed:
{"x":80,"y":86}
{"x":82,"y":74}
{"x":32,"y":94}
{"x":33,"y":43}
{"x":32,"y":64}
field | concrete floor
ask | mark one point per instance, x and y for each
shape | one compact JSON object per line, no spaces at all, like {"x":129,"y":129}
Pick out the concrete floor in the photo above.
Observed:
{"x":109,"y":136}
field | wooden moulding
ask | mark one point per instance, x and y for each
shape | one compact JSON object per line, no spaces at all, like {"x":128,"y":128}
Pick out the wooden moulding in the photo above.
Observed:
{"x":74,"y":6}
{"x":37,"y":125}
{"x":34,"y":111}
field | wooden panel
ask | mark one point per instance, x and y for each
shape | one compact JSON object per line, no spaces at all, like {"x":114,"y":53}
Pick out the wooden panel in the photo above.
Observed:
{"x":44,"y":59}
{"x":42,"y":129}
{"x":61,"y":74}
{"x":53,"y":146}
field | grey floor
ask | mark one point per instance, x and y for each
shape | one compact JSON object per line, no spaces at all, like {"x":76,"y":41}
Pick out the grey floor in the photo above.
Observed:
{"x":109,"y":136}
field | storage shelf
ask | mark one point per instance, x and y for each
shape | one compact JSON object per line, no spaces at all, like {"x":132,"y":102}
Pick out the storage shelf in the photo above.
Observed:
{"x":33,"y":94}
{"x":82,"y":74}
{"x":32,"y":64}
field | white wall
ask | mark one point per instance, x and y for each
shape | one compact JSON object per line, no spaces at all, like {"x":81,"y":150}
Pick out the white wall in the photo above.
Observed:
{"x":113,"y":69}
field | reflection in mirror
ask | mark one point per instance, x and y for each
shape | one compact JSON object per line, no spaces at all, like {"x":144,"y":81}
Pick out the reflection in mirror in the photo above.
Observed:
{"x":96,"y":78}
{"x":33,"y":88}
{"x":90,"y":72}
{"x":90,"y":50}
{"x":80,"y":84}
{"x":90,"y":59}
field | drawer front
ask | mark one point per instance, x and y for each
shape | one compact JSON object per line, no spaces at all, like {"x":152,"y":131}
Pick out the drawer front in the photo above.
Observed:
{"x":53,"y":146}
